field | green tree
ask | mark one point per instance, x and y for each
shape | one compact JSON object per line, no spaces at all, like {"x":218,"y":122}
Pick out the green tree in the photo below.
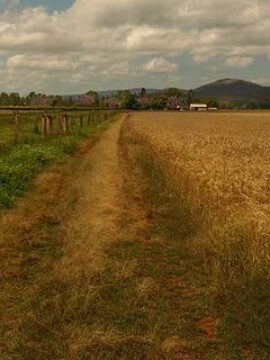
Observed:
{"x":4,"y":99}
{"x":126,"y":100}
{"x":212,"y":103}
{"x":15,"y":99}
{"x":143,"y":92}
{"x":95,"y":96}
{"x":30,"y":97}
{"x":170,"y":92}
{"x":190,"y":97}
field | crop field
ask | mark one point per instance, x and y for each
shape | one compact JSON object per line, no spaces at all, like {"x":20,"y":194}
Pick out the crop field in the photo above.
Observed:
{"x":25,"y":149}
{"x":217,"y":167}
{"x":150,"y":242}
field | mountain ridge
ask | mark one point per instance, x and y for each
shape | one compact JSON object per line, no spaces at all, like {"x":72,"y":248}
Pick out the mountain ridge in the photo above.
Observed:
{"x":226,"y":89}
{"x":230,"y":88}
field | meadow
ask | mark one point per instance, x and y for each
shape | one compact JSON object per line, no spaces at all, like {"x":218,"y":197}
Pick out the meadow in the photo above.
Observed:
{"x":216,"y":167}
{"x":25,"y":150}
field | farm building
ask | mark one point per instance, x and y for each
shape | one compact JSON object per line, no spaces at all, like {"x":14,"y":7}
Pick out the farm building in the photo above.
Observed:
{"x":198,"y":107}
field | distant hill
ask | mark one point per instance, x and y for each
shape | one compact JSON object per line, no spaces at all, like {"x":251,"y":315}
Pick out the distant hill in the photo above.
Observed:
{"x":238,"y":93}
{"x":233,"y":89}
{"x":106,"y":93}
{"x":133,"y":91}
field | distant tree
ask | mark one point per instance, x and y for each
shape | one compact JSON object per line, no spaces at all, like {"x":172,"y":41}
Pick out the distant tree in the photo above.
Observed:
{"x":143,"y":92}
{"x":30,"y":97}
{"x":190,"y":97}
{"x":4,"y":99}
{"x":143,"y":102}
{"x":87,"y":100}
{"x":69,"y":101}
{"x":212,"y":103}
{"x":172,"y":92}
{"x":57,"y":101}
{"x":155,"y":102}
{"x":126,"y":100}
{"x":95,"y":97}
{"x":39,"y":100}
{"x":163,"y":101}
{"x":173,"y":102}
{"x":110,"y":102}
{"x":15,"y":99}
{"x":23,"y":101}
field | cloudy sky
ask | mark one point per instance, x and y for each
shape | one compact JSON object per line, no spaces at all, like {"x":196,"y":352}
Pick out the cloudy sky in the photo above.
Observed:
{"x":71,"y":46}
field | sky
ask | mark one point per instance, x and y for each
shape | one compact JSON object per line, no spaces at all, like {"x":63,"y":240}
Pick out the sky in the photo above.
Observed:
{"x":72,"y":46}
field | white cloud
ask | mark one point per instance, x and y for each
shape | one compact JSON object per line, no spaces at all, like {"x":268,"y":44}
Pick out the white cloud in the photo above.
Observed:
{"x":41,"y":62}
{"x":160,"y":65}
{"x":239,"y":61}
{"x":97,"y":37}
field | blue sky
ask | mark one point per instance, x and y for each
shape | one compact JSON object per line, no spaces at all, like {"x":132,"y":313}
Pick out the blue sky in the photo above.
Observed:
{"x":66,"y":46}
{"x":49,"y":4}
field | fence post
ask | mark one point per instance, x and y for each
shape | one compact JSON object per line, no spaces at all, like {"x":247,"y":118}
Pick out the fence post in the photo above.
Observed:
{"x":44,"y":127}
{"x":88,"y":120}
{"x":17,"y":126}
{"x":65,"y":124}
{"x":59,"y":124}
{"x":48,"y":125}
{"x":71,"y":122}
{"x":81,"y":121}
{"x":52,"y":124}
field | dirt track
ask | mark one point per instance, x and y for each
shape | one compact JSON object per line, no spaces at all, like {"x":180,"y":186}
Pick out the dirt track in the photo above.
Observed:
{"x":57,"y":233}
{"x":94,"y":221}
{"x":94,"y":273}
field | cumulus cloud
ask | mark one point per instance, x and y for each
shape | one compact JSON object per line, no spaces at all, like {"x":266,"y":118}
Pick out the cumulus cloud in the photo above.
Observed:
{"x":97,"y":37}
{"x":41,"y":62}
{"x":239,"y":61}
{"x":160,"y":65}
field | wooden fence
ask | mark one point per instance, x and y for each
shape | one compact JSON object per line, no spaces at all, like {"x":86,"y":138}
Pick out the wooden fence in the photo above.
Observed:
{"x":46,"y":125}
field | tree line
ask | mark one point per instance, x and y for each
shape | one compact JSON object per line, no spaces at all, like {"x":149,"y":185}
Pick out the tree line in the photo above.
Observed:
{"x":124,"y":99}
{"x":170,"y":98}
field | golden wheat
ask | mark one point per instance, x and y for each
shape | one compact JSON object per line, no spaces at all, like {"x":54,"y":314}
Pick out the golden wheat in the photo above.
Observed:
{"x":218,"y":162}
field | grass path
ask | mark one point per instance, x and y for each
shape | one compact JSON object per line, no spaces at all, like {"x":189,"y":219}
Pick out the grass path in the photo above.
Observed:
{"x":96,"y":264}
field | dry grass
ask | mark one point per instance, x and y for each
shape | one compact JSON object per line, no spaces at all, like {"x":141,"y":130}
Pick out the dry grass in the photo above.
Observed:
{"x":218,"y":165}
{"x":49,"y":252}
{"x":106,"y":268}
{"x":96,"y":273}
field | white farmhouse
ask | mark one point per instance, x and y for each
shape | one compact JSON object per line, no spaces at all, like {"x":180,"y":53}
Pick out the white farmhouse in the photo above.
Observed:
{"x":198,"y":107}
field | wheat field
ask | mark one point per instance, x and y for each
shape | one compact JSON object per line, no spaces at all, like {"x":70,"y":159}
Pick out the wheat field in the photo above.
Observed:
{"x":218,"y":165}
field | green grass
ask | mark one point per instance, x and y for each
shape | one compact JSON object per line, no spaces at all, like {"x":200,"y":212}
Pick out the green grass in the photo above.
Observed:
{"x":32,"y":242}
{"x":18,"y":168}
{"x":21,"y":159}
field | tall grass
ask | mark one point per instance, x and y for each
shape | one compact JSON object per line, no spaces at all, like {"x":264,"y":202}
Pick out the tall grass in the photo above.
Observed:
{"x":218,"y":165}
